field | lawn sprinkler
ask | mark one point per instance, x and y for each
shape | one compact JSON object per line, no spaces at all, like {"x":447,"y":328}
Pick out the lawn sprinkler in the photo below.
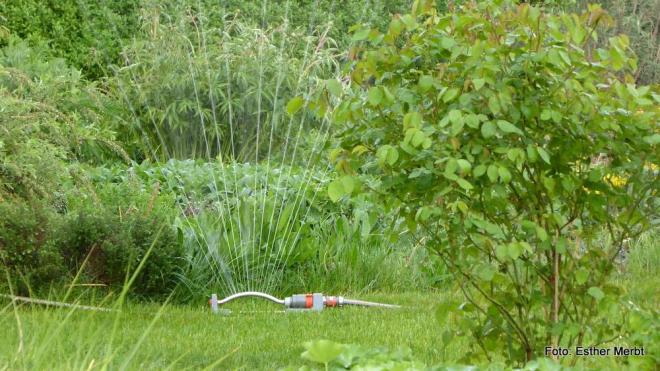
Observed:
{"x":300,"y":302}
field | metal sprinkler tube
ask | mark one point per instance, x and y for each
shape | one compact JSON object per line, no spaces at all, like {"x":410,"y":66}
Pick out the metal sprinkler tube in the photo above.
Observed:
{"x":299,"y":302}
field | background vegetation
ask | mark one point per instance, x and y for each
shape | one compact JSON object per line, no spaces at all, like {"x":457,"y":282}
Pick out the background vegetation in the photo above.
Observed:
{"x":165,"y":150}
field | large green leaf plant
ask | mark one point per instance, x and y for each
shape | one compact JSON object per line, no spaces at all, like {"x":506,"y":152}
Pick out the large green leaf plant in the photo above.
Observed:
{"x":524,"y":158}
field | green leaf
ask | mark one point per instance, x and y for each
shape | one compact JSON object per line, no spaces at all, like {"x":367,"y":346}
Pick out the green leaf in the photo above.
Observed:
{"x":494,"y":105}
{"x":457,"y":123}
{"x":447,"y":43}
{"x":514,"y":250}
{"x":426,"y":82}
{"x":334,"y":87}
{"x":652,"y":139}
{"x":532,"y":155}
{"x":450,"y":94}
{"x":493,"y":173}
{"x":341,"y":187}
{"x":541,"y":234}
{"x":452,"y":166}
{"x":443,"y":310}
{"x":479,"y":170}
{"x":464,"y":165}
{"x":418,"y":138}
{"x":581,"y":276}
{"x":502,"y":252}
{"x":457,"y":127}
{"x":387,"y":155}
{"x":409,"y":21}
{"x":336,"y":190}
{"x":488,"y":129}
{"x":375,"y":96}
{"x":504,"y":173}
{"x":412,"y":119}
{"x":544,"y":155}
{"x":322,"y":351}
{"x":508,"y":127}
{"x":294,"y":105}
{"x":361,"y":34}
{"x":472,"y":121}
{"x":464,"y":184}
{"x":478,"y":83}
{"x":456,"y":116}
{"x":546,"y":114}
{"x":596,"y":293}
{"x":486,"y":272}
{"x":348,"y":183}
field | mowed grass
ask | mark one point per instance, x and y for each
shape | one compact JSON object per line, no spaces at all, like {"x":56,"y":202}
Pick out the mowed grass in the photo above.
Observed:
{"x":255,"y":336}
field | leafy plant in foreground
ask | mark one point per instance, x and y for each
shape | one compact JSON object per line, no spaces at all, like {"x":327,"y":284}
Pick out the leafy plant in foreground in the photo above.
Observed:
{"x":484,"y":126}
{"x":336,"y":356}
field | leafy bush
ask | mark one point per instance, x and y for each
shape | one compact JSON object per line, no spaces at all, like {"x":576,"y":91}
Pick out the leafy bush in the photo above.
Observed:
{"x":483,"y":127}
{"x":27,"y":253}
{"x":88,"y":34}
{"x":639,"y":20}
{"x":114,"y":230}
{"x":308,"y":14}
{"x":336,"y":356}
{"x":50,"y":116}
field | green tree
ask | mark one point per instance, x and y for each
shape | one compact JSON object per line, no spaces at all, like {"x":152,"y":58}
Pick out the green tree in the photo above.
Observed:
{"x":484,"y":126}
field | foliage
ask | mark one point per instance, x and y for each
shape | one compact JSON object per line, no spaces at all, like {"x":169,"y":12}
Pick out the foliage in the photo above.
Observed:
{"x":49,"y":117}
{"x":335,"y":256}
{"x":308,"y":14}
{"x":106,"y":233}
{"x":483,"y":126}
{"x":109,"y":231}
{"x":87,"y":33}
{"x":27,"y":252}
{"x":252,"y":226}
{"x":640,"y":21}
{"x":335,"y":356}
{"x":194,"y":90}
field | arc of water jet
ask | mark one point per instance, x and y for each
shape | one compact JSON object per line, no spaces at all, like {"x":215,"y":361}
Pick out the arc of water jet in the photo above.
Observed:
{"x":270,"y":145}
{"x":303,"y":67}
{"x":316,"y":191}
{"x":280,"y":175}
{"x":132,"y":109}
{"x":284,"y":246}
{"x":255,"y":248}
{"x":215,"y":125}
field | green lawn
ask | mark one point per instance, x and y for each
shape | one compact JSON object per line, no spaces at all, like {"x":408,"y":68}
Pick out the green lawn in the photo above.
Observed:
{"x":257,"y":335}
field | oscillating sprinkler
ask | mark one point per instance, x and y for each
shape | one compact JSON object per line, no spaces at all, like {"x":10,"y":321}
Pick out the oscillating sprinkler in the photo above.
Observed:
{"x":300,"y":302}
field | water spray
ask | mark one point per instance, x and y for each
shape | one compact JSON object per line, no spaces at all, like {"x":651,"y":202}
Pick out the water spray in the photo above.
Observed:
{"x":299,"y":302}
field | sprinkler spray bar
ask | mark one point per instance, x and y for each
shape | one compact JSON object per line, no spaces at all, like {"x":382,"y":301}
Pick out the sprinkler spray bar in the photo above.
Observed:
{"x":300,"y":302}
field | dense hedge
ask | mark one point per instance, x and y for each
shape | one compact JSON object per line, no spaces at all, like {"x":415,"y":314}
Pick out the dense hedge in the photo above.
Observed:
{"x":104,"y":236}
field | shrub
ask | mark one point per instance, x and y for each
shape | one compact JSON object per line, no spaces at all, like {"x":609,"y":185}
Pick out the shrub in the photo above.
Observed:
{"x":88,"y":34}
{"x":639,"y":20}
{"x":50,"y":117}
{"x":26,"y":249}
{"x":114,"y":230}
{"x":484,"y":126}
